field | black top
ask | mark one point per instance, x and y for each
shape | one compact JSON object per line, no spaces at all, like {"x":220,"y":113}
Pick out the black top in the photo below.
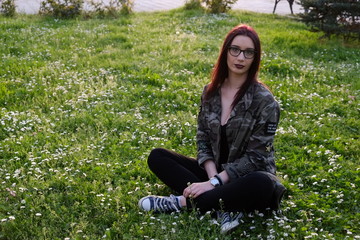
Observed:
{"x":224,"y":146}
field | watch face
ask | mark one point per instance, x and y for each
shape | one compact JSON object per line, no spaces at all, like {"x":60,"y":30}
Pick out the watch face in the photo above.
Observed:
{"x":215,"y":182}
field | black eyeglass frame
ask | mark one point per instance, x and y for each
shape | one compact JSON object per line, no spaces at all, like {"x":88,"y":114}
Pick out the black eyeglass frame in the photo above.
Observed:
{"x":253,"y":52}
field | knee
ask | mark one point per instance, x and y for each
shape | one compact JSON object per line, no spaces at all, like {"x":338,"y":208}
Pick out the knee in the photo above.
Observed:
{"x":258,"y":185}
{"x":155,"y":156}
{"x":261,"y":180}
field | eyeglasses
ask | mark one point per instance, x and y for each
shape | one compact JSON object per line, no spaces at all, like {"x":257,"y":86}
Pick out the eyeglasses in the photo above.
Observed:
{"x":248,"y":53}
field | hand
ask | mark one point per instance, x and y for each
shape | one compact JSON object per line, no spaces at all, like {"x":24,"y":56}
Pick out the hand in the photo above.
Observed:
{"x":196,"y":189}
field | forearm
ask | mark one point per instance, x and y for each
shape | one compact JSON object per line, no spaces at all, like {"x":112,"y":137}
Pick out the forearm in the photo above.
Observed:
{"x":210,"y":168}
{"x":224,"y":177}
{"x":211,"y":171}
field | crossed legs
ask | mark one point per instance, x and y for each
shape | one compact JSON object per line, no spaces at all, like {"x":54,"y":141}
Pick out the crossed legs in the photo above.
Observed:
{"x":253,"y":191}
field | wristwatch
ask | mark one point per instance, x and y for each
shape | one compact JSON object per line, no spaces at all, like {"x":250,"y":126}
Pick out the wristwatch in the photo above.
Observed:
{"x":214,"y":181}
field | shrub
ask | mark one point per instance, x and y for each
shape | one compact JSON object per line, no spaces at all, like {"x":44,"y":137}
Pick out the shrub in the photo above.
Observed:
{"x":333,"y":16}
{"x":7,"y":8}
{"x":61,"y":8}
{"x":218,"y":6}
{"x":102,"y":10}
{"x":192,"y":4}
{"x":126,"y":6}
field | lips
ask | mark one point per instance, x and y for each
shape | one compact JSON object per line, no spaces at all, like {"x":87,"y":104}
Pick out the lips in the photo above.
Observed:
{"x":239,"y":66}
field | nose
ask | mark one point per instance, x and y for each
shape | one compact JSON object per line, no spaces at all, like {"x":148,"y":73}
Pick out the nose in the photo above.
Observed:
{"x":241,"y":56}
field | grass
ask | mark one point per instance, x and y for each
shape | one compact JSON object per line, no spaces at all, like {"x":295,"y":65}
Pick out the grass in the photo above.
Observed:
{"x":82,"y":103}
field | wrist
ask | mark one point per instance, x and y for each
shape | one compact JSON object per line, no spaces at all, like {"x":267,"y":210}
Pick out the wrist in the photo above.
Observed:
{"x":217,"y":176}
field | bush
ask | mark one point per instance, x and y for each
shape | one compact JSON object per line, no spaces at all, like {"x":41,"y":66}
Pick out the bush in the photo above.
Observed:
{"x":113,"y":7}
{"x":102,"y":10}
{"x":218,"y":6}
{"x":61,"y":8}
{"x":340,"y":17}
{"x":126,"y":6}
{"x":192,"y":4}
{"x":7,"y":8}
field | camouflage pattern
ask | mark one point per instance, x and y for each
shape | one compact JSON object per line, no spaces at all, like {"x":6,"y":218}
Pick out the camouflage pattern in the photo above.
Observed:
{"x":250,"y":132}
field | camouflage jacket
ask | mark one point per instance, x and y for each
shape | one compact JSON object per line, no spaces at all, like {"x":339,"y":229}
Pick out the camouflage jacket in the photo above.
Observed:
{"x":250,"y":132}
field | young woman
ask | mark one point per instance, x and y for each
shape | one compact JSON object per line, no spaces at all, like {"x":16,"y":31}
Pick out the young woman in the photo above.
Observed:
{"x":235,"y":168}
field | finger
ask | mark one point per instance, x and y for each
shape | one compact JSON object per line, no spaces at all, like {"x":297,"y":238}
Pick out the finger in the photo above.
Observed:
{"x":186,"y":192}
{"x":192,"y":194}
{"x":196,"y":194}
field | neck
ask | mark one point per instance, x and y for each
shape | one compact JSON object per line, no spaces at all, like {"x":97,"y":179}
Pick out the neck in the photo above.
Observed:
{"x":235,"y":82}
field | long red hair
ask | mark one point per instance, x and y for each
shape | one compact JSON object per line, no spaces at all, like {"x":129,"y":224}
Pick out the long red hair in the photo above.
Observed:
{"x":220,"y":71}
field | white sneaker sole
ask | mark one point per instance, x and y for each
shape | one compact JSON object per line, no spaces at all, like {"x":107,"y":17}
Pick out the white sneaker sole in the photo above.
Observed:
{"x":227,"y":227}
{"x":145,"y":207}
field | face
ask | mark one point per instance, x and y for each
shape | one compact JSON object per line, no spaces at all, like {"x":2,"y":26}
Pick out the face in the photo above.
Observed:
{"x":239,"y":65}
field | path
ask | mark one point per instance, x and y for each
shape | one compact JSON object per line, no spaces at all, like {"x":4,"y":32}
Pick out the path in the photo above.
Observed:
{"x":263,"y":6}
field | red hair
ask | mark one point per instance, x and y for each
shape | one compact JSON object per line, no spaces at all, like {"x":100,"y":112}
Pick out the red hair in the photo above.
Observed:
{"x":220,"y":71}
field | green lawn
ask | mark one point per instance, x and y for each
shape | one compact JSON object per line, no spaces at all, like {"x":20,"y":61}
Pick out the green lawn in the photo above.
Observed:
{"x":83,"y":102}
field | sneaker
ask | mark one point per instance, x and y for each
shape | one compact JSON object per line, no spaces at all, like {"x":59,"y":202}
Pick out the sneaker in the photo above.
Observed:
{"x":229,"y":221}
{"x":159,"y":204}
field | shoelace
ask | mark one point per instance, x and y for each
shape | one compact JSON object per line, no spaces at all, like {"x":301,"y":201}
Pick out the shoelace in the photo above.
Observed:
{"x":237,"y":216}
{"x":166,"y":204}
{"x":224,"y":217}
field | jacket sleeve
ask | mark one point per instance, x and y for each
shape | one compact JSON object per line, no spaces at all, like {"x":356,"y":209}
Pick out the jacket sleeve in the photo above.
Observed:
{"x":259,"y":152}
{"x":204,"y":150}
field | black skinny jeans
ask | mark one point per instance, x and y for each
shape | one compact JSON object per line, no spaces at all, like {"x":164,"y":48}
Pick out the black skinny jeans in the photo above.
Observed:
{"x":251,"y":192}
